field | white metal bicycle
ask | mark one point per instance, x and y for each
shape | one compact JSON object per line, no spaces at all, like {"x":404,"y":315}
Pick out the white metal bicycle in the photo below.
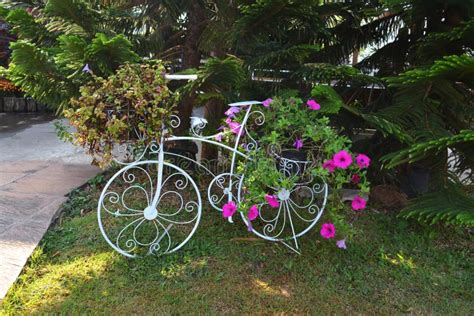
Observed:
{"x":153,"y":206}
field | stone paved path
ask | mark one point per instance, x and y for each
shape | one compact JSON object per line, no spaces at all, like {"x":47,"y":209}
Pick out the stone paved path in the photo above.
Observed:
{"x":37,"y":170}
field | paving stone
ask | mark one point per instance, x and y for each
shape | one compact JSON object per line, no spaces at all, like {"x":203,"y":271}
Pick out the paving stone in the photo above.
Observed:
{"x":6,"y":223}
{"x":54,"y":185}
{"x":22,"y":204}
{"x":23,"y":166}
{"x":31,"y":191}
{"x":68,"y":170}
{"x":8,"y":177}
{"x":18,"y":242}
{"x":14,"y":254}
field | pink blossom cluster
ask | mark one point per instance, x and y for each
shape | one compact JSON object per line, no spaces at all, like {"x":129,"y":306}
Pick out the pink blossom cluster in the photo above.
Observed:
{"x":343,"y":160}
{"x":230,"y":208}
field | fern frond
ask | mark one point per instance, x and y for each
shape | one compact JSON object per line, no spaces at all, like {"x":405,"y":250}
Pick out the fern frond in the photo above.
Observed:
{"x":452,"y":204}
{"x":455,"y":67}
{"x":218,"y":76}
{"x":419,"y":151}
{"x":71,"y":52}
{"x":34,"y":71}
{"x":72,"y":15}
{"x":105,"y":54}
{"x":25,"y":26}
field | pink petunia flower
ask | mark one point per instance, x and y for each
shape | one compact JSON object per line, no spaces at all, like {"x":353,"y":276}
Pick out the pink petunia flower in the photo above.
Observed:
{"x":298,"y":144}
{"x":363,"y":161}
{"x":272,"y":200}
{"x":358,"y":203}
{"x":232,"y":111}
{"x":218,"y":137}
{"x":355,"y":178}
{"x":253,"y":212}
{"x":236,"y":128}
{"x":229,"y":209}
{"x":228,"y":120}
{"x":328,"y":230}
{"x":267,"y":102}
{"x":329,"y":165}
{"x":342,"y":159}
{"x":341,"y":244}
{"x":313,"y":105}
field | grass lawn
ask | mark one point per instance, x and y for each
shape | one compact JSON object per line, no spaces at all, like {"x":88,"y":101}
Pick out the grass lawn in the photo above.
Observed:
{"x":392,"y":266}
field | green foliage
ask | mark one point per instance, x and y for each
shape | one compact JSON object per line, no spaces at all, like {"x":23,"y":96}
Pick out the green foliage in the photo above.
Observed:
{"x":217,"y":79}
{"x":432,"y":115}
{"x":34,"y":71}
{"x":419,"y":151}
{"x":54,"y":43}
{"x":53,"y":75}
{"x":131,"y":105}
{"x":450,"y":204}
{"x":288,"y":120}
{"x":25,"y":26}
{"x":329,"y":97}
{"x":107,"y":54}
{"x":70,"y":17}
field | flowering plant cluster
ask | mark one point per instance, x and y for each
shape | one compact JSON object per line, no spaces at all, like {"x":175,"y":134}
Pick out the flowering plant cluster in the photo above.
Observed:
{"x":297,"y":126}
{"x":132,"y":105}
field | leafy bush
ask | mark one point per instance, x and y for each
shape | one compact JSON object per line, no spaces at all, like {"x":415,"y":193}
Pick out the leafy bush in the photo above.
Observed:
{"x":131,"y":105}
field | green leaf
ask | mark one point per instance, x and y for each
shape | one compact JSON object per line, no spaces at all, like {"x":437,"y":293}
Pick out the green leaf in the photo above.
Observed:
{"x":329,"y":99}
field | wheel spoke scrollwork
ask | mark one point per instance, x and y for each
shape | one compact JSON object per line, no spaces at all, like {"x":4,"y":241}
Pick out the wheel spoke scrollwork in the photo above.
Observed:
{"x":129,"y":221}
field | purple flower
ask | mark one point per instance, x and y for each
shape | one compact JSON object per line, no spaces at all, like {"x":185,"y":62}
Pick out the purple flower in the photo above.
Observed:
{"x":298,"y":144}
{"x":355,"y":178}
{"x":236,"y":128}
{"x":362,"y":161}
{"x":329,"y":165}
{"x":328,"y":230}
{"x":341,"y":244}
{"x":272,"y":200}
{"x":232,"y":111}
{"x":267,"y":102}
{"x":358,"y":203}
{"x":218,"y":137}
{"x":313,"y":105}
{"x":229,"y":209}
{"x":342,"y":159}
{"x":253,"y":212}
{"x":87,"y":69}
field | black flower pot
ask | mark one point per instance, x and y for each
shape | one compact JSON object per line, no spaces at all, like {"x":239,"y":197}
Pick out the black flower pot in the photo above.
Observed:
{"x":292,"y":162}
{"x":416,"y":181}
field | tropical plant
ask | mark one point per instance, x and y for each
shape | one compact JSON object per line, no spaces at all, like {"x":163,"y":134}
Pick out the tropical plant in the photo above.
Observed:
{"x":58,"y":43}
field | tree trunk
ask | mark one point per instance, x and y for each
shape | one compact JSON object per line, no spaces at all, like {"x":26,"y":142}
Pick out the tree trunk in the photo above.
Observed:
{"x":213,"y":112}
{"x":191,"y":58}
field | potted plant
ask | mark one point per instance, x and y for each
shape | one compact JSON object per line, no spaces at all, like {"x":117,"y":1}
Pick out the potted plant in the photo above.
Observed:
{"x":131,"y":105}
{"x":297,"y":131}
